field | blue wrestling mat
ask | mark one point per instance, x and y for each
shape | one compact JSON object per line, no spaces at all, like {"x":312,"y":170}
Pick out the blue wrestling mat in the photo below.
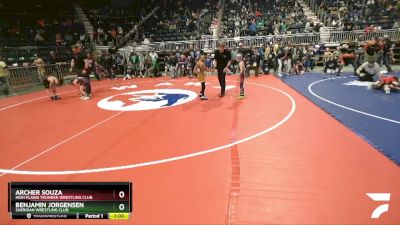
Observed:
{"x":372,"y":114}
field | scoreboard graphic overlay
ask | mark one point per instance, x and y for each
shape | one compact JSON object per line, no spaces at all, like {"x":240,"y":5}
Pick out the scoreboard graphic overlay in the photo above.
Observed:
{"x":72,"y":200}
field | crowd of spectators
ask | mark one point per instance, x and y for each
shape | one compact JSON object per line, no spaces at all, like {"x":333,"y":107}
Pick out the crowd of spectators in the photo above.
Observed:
{"x":116,"y":24}
{"x":265,"y":17}
{"x":358,"y":14}
{"x":174,"y":20}
{"x":113,"y":22}
{"x":50,"y":23}
{"x":282,"y":57}
{"x":181,"y":20}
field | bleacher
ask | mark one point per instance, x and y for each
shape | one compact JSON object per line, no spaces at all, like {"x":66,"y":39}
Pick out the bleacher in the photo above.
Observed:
{"x":174,"y":21}
{"x":381,"y":13}
{"x":180,"y":20}
{"x":32,"y":23}
{"x":271,"y":17}
{"x":286,"y":11}
{"x":110,"y":19}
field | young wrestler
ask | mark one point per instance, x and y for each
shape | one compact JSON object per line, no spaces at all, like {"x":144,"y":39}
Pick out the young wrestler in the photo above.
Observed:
{"x":386,"y":83}
{"x":199,"y":69}
{"x":50,"y":83}
{"x":372,"y":48}
{"x":80,"y":65}
{"x":242,"y":69}
{"x":80,"y":82}
{"x":346,"y":57}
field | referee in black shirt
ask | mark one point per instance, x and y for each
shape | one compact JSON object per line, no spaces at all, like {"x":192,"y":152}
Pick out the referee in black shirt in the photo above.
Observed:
{"x":223,"y":59}
{"x":80,"y":66}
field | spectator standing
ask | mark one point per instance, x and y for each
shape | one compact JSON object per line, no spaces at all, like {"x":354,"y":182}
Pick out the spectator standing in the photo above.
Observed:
{"x":154,"y":64}
{"x":253,"y":27}
{"x":53,"y":59}
{"x":134,"y":60}
{"x":172,"y":62}
{"x":287,"y":59}
{"x":39,"y":63}
{"x":271,"y":59}
{"x":119,"y":64}
{"x":261,"y":53}
{"x":254,"y":63}
{"x":91,"y":61}
{"x":141,"y":64}
{"x":3,"y":80}
{"x":147,"y":64}
{"x":309,"y":60}
{"x":180,"y":66}
{"x":387,"y":52}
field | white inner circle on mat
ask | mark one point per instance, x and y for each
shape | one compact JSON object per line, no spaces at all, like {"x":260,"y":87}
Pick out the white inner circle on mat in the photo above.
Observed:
{"x":147,"y":100}
{"x":171,"y":159}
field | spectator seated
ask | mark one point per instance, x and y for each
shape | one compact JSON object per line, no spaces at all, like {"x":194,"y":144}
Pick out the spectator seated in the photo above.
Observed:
{"x":180,"y":20}
{"x":356,"y":15}
{"x":47,"y":23}
{"x":264,"y":17}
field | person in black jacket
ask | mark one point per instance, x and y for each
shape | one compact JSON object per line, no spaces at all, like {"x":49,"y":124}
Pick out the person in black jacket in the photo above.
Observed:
{"x":108,"y":65}
{"x":223,"y":61}
{"x":92,"y":65}
{"x":53,"y":58}
{"x":387,"y":52}
{"x":254,"y":62}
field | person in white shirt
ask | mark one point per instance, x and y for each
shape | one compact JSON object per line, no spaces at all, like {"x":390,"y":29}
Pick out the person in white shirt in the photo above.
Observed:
{"x":153,"y":55}
{"x":368,"y":70}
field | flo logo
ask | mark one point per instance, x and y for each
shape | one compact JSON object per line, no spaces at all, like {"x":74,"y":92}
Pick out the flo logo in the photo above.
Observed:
{"x":147,"y":100}
{"x":380,"y":197}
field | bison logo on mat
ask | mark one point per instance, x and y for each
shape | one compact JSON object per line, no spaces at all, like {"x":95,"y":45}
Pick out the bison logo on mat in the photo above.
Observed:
{"x":147,"y":100}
